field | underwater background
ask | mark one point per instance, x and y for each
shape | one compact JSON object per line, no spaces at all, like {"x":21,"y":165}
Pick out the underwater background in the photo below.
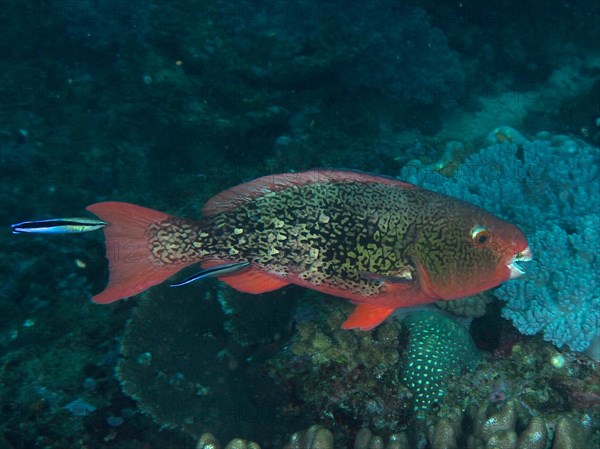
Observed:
{"x":165,"y":104}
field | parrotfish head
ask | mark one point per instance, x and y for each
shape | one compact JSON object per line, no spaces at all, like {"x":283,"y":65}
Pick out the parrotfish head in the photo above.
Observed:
{"x":469,"y":251}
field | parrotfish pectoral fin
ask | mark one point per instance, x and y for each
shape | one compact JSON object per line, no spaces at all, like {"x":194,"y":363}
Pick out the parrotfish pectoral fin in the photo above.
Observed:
{"x":132,"y":266}
{"x":367,"y":316}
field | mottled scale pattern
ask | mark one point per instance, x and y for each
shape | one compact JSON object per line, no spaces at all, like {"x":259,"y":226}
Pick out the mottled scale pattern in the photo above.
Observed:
{"x":327,"y":234}
{"x":175,"y":241}
{"x":331,"y":234}
{"x":324,"y":233}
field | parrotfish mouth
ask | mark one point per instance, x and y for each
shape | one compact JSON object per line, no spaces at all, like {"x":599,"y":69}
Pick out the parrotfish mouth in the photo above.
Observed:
{"x":513,"y":266}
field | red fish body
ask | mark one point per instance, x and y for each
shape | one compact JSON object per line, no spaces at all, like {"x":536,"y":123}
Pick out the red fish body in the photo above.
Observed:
{"x":376,"y":241}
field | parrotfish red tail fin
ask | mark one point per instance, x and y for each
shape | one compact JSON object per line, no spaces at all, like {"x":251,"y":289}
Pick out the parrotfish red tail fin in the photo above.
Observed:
{"x":132,"y":266}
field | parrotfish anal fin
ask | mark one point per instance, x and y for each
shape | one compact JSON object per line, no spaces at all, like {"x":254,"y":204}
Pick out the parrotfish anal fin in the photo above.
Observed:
{"x":253,"y":281}
{"x":231,"y":198}
{"x":132,"y":267}
{"x":367,"y":316}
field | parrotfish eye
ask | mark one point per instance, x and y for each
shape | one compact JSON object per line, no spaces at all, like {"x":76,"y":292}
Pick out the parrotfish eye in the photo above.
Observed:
{"x":481,"y":236}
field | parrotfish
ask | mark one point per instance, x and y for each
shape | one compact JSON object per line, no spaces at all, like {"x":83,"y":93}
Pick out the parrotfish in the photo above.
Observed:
{"x":376,"y":241}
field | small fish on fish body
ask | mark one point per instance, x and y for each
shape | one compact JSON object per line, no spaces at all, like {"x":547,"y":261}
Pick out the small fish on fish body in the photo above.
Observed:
{"x":376,"y":241}
{"x":220,"y":270}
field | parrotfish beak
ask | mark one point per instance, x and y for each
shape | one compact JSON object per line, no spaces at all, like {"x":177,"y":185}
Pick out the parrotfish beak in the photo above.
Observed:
{"x":513,"y":266}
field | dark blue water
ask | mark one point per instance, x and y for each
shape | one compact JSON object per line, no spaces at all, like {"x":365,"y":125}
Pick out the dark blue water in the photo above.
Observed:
{"x":165,"y":104}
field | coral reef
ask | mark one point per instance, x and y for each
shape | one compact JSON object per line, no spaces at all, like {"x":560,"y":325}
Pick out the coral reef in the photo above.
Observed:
{"x":509,"y":426}
{"x":437,"y":349}
{"x":208,"y":441}
{"x":344,"y":381}
{"x":166,"y":103}
{"x":531,"y":107}
{"x":315,"y":437}
{"x":409,"y":52}
{"x":510,"y":398}
{"x":57,"y":385}
{"x":366,"y":440}
{"x":472,"y":306}
{"x":342,"y":378}
{"x":189,"y":371}
{"x":550,"y":189}
{"x":310,"y":43}
{"x":320,"y":365}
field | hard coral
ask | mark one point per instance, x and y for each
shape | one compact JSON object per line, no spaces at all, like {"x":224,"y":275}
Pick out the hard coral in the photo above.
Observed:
{"x":208,"y":441}
{"x":437,"y":348}
{"x":189,"y":373}
{"x":507,"y":427}
{"x":315,"y":437}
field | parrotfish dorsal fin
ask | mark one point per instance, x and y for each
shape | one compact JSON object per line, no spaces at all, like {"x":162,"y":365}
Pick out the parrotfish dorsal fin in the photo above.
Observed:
{"x":231,"y":198}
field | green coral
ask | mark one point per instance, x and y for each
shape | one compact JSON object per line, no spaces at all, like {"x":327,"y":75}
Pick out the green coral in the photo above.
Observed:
{"x":438,"y":348}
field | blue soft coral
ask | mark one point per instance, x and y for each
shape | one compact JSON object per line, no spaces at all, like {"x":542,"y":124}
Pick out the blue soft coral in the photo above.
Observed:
{"x":551,"y":189}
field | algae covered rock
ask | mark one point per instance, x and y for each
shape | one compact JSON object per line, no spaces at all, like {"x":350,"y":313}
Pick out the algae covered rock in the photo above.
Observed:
{"x":345,"y":378}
